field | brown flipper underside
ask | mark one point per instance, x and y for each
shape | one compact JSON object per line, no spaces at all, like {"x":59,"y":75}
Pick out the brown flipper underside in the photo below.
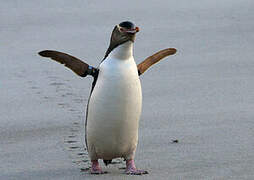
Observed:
{"x":143,"y":66}
{"x":79,"y":67}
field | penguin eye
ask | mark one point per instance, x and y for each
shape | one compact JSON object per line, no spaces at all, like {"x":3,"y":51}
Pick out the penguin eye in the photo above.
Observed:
{"x":123,"y":29}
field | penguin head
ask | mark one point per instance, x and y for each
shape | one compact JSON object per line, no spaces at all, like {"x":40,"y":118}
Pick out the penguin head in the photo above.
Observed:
{"x":123,"y":32}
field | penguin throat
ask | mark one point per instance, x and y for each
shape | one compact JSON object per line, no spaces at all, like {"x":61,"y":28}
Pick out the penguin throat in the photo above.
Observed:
{"x":123,"y":51}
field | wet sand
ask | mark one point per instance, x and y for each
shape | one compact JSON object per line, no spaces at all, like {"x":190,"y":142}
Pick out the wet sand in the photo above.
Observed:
{"x":203,"y":96}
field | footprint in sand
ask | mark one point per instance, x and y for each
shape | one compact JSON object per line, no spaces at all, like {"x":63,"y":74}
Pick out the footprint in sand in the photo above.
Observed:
{"x":56,"y":84}
{"x":78,"y":153}
{"x":75,"y":148}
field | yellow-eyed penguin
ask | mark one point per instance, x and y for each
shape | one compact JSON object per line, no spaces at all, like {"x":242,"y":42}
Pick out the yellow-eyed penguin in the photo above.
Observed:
{"x":115,"y":102}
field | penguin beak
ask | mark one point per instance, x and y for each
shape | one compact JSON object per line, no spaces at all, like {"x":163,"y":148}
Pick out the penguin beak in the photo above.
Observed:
{"x":131,"y":31}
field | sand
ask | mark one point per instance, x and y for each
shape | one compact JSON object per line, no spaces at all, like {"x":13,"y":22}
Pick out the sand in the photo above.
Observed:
{"x":203,"y":96}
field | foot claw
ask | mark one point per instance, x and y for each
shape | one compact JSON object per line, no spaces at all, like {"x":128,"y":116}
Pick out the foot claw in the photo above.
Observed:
{"x":132,"y":170}
{"x":96,"y":169}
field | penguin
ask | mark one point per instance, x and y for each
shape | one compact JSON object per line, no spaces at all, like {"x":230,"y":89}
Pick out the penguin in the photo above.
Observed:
{"x":115,"y":101}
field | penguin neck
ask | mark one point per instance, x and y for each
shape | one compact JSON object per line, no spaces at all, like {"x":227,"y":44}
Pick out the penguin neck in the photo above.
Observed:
{"x":123,"y":51}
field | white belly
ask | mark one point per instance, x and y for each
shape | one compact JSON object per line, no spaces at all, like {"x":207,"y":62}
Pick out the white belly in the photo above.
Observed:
{"x":114,"y":111}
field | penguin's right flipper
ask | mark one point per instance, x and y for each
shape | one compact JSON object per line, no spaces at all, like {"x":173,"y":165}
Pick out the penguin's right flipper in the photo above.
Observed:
{"x":79,"y":67}
{"x":148,"y":62}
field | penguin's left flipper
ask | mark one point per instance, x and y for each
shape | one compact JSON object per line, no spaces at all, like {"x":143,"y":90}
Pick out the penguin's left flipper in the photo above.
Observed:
{"x":148,"y":62}
{"x":76,"y":65}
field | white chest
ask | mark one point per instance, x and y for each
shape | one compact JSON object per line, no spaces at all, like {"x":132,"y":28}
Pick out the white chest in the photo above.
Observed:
{"x":118,"y":82}
{"x":117,"y":92}
{"x":114,"y":109}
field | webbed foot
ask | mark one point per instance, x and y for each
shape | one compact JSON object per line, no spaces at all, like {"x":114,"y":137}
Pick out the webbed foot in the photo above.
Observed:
{"x":132,"y":170}
{"x":96,"y":169}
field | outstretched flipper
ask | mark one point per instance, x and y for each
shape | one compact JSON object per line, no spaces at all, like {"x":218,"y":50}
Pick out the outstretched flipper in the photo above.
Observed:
{"x":143,"y":66}
{"x":79,"y":67}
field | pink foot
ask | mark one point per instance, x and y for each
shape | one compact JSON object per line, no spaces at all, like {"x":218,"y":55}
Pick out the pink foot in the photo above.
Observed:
{"x":132,"y":170}
{"x":96,"y":169}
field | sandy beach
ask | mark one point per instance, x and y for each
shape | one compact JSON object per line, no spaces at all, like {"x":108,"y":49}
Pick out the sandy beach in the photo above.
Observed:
{"x":202,"y":96}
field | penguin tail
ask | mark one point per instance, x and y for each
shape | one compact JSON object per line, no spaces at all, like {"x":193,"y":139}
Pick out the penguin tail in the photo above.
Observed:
{"x":107,"y":162}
